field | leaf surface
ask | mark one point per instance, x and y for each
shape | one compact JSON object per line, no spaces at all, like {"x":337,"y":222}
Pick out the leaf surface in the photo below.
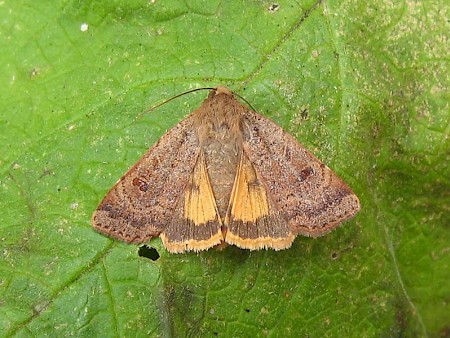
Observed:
{"x":363,"y":85}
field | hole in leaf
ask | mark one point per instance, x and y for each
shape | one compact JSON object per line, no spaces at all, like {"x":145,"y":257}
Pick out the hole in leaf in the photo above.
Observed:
{"x":148,"y":252}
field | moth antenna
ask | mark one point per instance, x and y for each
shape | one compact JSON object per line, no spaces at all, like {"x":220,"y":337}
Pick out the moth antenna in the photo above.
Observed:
{"x":243,"y":99}
{"x":184,"y":93}
{"x":170,"y":99}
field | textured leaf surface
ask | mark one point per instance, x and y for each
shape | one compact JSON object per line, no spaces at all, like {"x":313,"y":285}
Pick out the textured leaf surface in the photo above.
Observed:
{"x":364,"y":85}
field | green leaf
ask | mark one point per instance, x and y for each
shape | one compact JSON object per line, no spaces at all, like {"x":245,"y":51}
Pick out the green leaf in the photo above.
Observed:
{"x":364,"y":85}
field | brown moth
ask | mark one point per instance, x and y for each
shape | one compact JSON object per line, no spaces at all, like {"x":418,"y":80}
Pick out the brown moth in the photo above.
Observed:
{"x":225,"y":174}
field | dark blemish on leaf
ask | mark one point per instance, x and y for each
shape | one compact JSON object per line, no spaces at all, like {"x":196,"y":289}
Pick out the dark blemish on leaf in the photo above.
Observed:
{"x":304,"y":113}
{"x":273,"y":8}
{"x":34,"y":72}
{"x":402,"y":319}
{"x":247,"y":310}
{"x":445,"y":332}
{"x":148,"y":252}
{"x":334,"y":255}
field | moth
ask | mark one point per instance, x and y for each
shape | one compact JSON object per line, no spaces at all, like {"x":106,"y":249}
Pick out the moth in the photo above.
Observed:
{"x":225,"y":174}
